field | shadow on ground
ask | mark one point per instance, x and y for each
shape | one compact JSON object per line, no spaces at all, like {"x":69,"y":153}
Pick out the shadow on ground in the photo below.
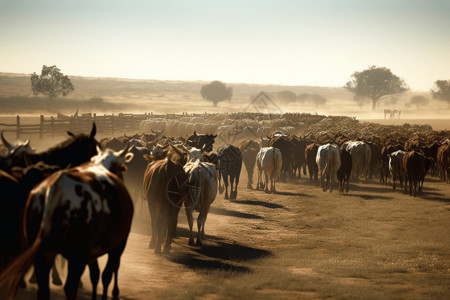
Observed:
{"x":233,"y":213}
{"x":219,"y":256}
{"x":258,"y":203}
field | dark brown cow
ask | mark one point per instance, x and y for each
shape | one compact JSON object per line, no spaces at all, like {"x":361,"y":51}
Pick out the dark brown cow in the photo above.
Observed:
{"x":287,"y":153}
{"x":81,"y":213}
{"x":201,"y":141}
{"x":443,"y":160}
{"x":310,"y":156}
{"x":249,"y":150}
{"x":415,"y":166}
{"x":77,"y":149}
{"x":299,"y":161}
{"x":112,"y":143}
{"x":15,"y":191}
{"x":229,"y":167}
{"x":164,"y":187}
{"x":344,"y":171}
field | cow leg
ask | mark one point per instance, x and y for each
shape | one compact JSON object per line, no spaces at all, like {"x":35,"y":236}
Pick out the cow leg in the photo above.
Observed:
{"x":236,"y":182}
{"x":231,"y":188}
{"x":191,"y":223}
{"x":112,"y":266}
{"x":153,"y":218}
{"x":171,"y":233}
{"x":42,"y":269}
{"x":94,"y":273}
{"x":266,"y":177}
{"x":76,"y":268}
{"x":162,"y":230}
{"x":259,"y":182}
{"x":200,"y":222}
{"x":225,"y":181}
{"x":348,"y":180}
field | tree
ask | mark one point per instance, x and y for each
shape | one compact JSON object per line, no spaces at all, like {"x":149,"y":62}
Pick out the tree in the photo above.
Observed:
{"x":441,"y":91}
{"x":375,"y":83}
{"x":418,"y":101}
{"x":51,"y":82}
{"x":286,"y":96}
{"x":216,"y":91}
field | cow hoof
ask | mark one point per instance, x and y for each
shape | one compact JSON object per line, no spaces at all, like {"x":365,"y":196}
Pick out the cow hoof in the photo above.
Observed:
{"x":191,"y":242}
{"x":199,"y":243}
{"x":249,"y":186}
{"x":157,"y":250}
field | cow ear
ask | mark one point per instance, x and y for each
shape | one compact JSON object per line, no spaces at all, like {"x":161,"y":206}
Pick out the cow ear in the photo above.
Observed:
{"x":215,"y":135}
{"x":128,"y":157}
{"x":70,"y":133}
{"x":195,"y":133}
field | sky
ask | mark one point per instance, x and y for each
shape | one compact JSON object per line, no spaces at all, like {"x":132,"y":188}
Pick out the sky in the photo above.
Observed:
{"x":288,"y":42}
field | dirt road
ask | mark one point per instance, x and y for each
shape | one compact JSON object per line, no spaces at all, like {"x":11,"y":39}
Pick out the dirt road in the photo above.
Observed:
{"x":301,"y":243}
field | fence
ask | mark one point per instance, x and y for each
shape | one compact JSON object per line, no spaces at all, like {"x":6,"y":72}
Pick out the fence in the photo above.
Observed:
{"x":106,"y":124}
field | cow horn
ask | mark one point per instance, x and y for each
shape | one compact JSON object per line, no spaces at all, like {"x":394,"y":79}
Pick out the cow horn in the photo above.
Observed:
{"x":93,"y":131}
{"x":125,"y":150}
{"x":27,"y":142}
{"x":5,"y":142}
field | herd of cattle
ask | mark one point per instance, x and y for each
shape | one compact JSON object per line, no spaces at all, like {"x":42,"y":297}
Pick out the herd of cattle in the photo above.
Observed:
{"x":76,"y":198}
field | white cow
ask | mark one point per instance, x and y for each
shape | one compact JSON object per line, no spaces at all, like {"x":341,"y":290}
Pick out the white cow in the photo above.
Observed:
{"x":328,"y":159}
{"x":396,"y":167}
{"x":201,"y":186}
{"x":268,"y":160}
{"x":361,"y":154}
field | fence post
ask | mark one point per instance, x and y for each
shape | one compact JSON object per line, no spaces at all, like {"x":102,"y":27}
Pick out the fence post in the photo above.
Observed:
{"x":18,"y":127}
{"x":41,"y":127}
{"x":52,"y":126}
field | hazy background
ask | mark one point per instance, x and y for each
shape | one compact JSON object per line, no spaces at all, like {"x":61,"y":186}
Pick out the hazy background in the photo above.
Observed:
{"x":308,"y":43}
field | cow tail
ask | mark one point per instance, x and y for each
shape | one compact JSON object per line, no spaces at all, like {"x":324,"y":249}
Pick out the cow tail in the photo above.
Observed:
{"x":15,"y":272}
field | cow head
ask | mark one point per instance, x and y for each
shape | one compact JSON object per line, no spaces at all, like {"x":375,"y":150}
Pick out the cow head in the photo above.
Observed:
{"x":113,"y":161}
{"x":18,"y":148}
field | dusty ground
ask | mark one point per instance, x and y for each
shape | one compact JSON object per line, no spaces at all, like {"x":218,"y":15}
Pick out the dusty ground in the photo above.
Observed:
{"x":301,"y":243}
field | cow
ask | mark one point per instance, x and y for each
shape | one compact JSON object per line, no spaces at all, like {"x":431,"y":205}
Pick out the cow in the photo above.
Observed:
{"x":416,"y":166}
{"x":164,"y":187}
{"x":80,"y":213}
{"x":75,"y":150}
{"x":361,"y":155}
{"x":344,"y":171}
{"x":286,"y":148}
{"x":443,"y":161}
{"x":201,"y":141}
{"x":249,"y":150}
{"x":310,"y":156}
{"x":229,"y":165}
{"x":201,"y":190}
{"x":268,"y":160}
{"x":328,"y":160}
{"x":112,"y":143}
{"x":299,"y":161}
{"x":384,"y":161}
{"x":396,"y":167}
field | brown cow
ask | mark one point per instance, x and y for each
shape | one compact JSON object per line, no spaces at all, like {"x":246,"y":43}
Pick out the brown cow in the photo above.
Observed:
{"x":286,"y":148}
{"x":310,"y":155}
{"x":249,"y":150}
{"x":81,"y":213}
{"x":443,"y":160}
{"x":415,"y":166}
{"x":344,"y":171}
{"x":164,"y":188}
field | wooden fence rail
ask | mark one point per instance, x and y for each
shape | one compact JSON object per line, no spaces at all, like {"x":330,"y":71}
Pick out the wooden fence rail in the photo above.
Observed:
{"x":51,"y":126}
